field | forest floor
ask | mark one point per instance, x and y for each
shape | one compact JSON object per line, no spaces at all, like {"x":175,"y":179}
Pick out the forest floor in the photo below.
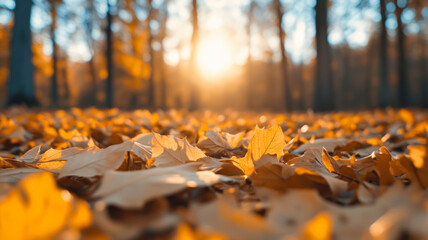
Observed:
{"x":109,"y":174}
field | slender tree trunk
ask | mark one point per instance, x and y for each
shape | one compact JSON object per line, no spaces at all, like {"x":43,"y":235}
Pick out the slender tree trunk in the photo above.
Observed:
{"x":324,"y":98}
{"x":21,"y":82}
{"x":346,"y":84}
{"x":66,"y":85}
{"x":194,"y":91}
{"x":92,"y":65}
{"x":423,"y":76}
{"x":162,"y":62}
{"x":384,"y":87}
{"x":301,"y":84}
{"x":401,"y":45}
{"x":284,"y":65}
{"x":151,"y":82}
{"x":54,"y":78}
{"x":270,"y":83}
{"x":93,"y":72}
{"x":134,"y":45}
{"x":250,"y":83}
{"x":109,"y":57}
{"x":367,"y":84}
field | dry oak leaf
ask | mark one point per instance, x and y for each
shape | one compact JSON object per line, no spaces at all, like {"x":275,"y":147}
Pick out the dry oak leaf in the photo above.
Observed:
{"x":171,"y":151}
{"x":143,"y":146}
{"x":419,"y":157}
{"x":38,"y":209}
{"x":133,"y":189}
{"x":95,"y":162}
{"x":382,"y":162}
{"x":329,"y":162}
{"x":226,"y":217}
{"x":270,"y":141}
{"x":213,"y":143}
{"x":14,"y":175}
{"x":328,"y":143}
{"x":54,"y":159}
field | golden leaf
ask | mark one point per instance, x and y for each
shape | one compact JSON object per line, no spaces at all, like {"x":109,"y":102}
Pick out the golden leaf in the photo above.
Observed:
{"x":319,"y":228}
{"x":38,"y":201}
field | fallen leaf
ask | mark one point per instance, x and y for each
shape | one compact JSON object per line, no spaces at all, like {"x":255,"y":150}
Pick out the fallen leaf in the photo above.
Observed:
{"x":95,"y":162}
{"x":225,"y":217}
{"x":213,"y":143}
{"x":37,"y":200}
{"x":14,"y":175}
{"x":119,"y":188}
{"x":328,"y":143}
{"x":270,"y":141}
{"x":319,"y":228}
{"x":171,"y":151}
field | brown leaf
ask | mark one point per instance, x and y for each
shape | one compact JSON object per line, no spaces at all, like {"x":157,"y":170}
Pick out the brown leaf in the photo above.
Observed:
{"x":213,"y":143}
{"x":328,"y":143}
{"x":171,"y":151}
{"x":382,"y":167}
{"x":119,"y":188}
{"x":95,"y":162}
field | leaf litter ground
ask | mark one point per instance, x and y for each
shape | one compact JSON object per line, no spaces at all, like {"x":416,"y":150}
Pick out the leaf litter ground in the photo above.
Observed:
{"x":109,"y":174}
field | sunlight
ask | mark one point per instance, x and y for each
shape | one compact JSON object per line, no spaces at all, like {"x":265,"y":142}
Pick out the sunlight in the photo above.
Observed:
{"x":213,"y":57}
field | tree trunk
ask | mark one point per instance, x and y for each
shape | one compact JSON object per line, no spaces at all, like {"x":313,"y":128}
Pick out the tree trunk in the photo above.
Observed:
{"x":109,"y":57}
{"x":423,"y":76}
{"x":21,"y":82}
{"x":324,"y":98}
{"x":249,"y":59}
{"x":93,"y":72}
{"x":151,"y":82}
{"x":281,"y":35}
{"x":194,"y":92}
{"x":163,"y":82}
{"x":368,"y":80}
{"x":422,"y":55}
{"x":346,"y":84}
{"x":54,"y":78}
{"x":402,"y":78}
{"x":384,"y":88}
{"x":92,"y":66}
{"x":66,"y":85}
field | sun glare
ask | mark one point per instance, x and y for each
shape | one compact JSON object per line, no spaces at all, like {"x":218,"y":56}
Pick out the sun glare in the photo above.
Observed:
{"x":214,"y":56}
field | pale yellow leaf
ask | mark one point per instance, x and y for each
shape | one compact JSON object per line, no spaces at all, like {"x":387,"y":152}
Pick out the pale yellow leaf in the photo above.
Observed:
{"x":95,"y":162}
{"x":134,"y":189}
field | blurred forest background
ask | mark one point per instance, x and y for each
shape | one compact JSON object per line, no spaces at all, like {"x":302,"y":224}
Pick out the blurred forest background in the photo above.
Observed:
{"x":244,"y":54}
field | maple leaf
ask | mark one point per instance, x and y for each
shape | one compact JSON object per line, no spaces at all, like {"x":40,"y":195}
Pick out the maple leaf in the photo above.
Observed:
{"x":171,"y":151}
{"x":119,"y":188}
{"x":270,"y":141}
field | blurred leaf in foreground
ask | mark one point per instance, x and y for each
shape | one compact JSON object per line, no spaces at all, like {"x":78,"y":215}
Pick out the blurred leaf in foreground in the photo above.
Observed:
{"x":37,"y":209}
